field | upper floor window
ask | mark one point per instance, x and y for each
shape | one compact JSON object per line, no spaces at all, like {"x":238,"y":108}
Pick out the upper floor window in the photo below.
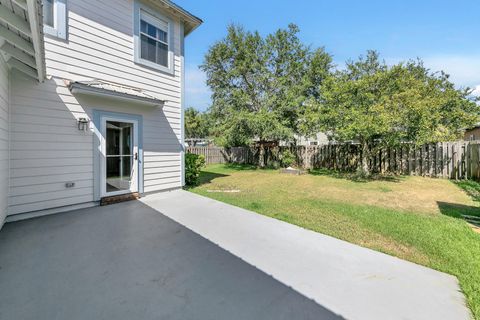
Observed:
{"x":154,"y":40}
{"x":48,"y":12}
{"x":55,"y":18}
{"x":153,"y":34}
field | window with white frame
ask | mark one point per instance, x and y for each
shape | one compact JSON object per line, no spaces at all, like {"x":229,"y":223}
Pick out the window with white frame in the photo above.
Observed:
{"x":153,"y":40}
{"x":153,"y":46}
{"x":55,"y":18}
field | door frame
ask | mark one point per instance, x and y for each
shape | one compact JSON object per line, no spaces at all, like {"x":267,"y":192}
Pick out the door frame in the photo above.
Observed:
{"x":103,"y":165}
{"x":99,"y":160}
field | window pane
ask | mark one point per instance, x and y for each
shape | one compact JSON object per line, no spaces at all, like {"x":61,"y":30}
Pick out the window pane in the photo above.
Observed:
{"x":148,"y":48}
{"x":119,"y":138}
{"x":162,"y":36}
{"x":151,"y":30}
{"x":162,"y":54}
{"x":143,"y":26}
{"x":127,"y":139}
{"x":119,"y":171}
{"x":48,"y":12}
{"x":113,"y":139}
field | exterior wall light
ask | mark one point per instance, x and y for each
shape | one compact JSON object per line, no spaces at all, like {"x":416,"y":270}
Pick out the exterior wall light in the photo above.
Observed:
{"x":83,"y":124}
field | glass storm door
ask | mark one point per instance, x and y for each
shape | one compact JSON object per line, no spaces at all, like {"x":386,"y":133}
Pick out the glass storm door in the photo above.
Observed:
{"x":120,"y":167}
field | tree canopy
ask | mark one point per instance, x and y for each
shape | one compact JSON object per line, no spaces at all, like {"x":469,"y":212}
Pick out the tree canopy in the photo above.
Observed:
{"x":271,"y":88}
{"x":379,"y":105}
{"x":196,"y":124}
{"x":260,"y":84}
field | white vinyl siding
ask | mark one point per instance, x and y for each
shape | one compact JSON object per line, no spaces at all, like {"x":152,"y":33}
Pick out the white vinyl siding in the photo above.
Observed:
{"x":48,"y":150}
{"x":4,"y":139}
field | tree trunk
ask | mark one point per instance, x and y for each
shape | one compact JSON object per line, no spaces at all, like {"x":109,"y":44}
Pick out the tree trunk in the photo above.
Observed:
{"x":365,"y":168}
{"x":261,"y":157}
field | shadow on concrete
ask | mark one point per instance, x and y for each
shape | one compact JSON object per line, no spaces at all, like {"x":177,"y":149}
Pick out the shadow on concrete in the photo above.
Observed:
{"x":128,"y":261}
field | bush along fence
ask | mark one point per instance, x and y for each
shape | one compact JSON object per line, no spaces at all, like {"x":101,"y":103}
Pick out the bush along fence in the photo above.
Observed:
{"x":453,"y":160}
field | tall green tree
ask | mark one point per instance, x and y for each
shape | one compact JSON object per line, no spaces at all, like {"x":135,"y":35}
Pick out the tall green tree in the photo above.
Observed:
{"x":196,"y":123}
{"x":260,"y":84}
{"x":379,"y":105}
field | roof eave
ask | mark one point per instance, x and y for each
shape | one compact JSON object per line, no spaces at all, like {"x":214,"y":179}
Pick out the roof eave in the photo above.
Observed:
{"x":193,"y":21}
{"x":23,"y":35}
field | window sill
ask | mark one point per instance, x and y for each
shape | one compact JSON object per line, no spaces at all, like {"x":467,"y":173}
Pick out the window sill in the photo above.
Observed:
{"x":56,"y":33}
{"x":154,"y":66}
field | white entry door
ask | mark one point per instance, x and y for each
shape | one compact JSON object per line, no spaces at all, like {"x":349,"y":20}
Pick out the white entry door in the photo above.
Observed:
{"x":119,"y":146}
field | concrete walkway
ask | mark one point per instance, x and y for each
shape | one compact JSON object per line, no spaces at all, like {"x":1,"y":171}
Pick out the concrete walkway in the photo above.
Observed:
{"x":351,"y":281}
{"x":179,"y":256}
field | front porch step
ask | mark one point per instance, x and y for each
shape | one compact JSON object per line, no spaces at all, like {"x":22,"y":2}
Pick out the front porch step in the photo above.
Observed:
{"x":120,"y":198}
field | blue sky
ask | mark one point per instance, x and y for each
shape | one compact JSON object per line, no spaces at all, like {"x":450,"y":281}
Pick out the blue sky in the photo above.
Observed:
{"x":445,"y":34}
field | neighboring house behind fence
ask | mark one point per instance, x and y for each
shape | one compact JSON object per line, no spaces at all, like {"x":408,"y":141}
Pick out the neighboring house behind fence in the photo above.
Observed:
{"x":318,"y":139}
{"x":472,"y":134}
{"x":92,"y":108}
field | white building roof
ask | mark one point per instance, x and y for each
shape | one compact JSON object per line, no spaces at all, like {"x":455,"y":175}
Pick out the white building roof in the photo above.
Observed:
{"x":114,"y":90}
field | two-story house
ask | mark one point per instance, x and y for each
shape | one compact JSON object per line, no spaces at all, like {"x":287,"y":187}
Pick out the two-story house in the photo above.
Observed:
{"x":91,"y":101}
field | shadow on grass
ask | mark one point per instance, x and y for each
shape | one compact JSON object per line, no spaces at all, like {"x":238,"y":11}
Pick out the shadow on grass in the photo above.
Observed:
{"x":468,"y":213}
{"x":472,"y":188}
{"x":355,"y":176}
{"x":240,"y":167}
{"x":207,"y":177}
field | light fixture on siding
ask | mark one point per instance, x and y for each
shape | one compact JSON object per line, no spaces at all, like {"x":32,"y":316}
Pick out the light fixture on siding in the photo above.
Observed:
{"x":83,"y":124}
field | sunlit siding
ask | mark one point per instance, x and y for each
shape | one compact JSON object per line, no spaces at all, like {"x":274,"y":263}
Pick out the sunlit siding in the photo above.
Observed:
{"x":48,"y":150}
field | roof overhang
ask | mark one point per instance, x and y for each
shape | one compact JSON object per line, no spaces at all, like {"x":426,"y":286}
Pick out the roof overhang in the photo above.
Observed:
{"x":191,"y":21}
{"x":114,"y":91}
{"x":21,"y":36}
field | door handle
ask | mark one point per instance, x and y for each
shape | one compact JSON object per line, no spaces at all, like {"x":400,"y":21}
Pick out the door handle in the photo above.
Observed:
{"x":136,"y":155}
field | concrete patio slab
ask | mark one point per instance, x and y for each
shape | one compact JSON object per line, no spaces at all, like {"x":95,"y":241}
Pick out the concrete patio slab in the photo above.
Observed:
{"x":351,"y":281}
{"x":178,"y":255}
{"x":128,"y":261}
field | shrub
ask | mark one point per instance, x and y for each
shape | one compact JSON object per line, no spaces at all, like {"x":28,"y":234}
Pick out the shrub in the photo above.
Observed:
{"x":193,"y":165}
{"x":288,"y":158}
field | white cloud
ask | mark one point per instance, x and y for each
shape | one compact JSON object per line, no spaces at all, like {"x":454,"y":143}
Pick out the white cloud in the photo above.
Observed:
{"x":476,"y":91}
{"x":464,"y":70}
{"x":197,"y":94}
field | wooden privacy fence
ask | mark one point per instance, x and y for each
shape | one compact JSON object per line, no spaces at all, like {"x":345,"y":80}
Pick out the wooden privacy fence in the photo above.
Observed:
{"x":212,"y":154}
{"x":453,"y":160}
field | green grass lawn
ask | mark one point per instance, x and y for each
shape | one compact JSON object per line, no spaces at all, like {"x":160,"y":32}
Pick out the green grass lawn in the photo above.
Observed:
{"x":414,"y":218}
